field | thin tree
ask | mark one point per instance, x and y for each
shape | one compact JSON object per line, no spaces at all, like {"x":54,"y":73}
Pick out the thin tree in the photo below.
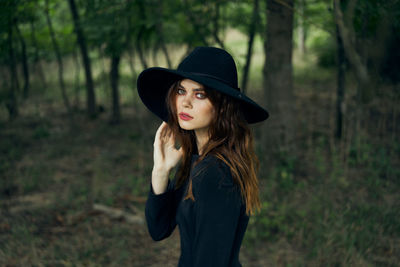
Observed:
{"x":36,"y":61}
{"x":252,"y":33}
{"x":77,"y":72}
{"x":131,"y":56}
{"x":12,"y":104}
{"x":215,"y":29}
{"x":347,"y":35}
{"x":160,"y":32}
{"x":140,"y":35}
{"x":301,"y":27}
{"x":340,"y":87}
{"x":90,"y":93}
{"x":117,"y":42}
{"x":59,"y":58}
{"x":24,"y":58}
{"x":115,"y":49}
{"x":114,"y":78}
{"x":278,"y":76}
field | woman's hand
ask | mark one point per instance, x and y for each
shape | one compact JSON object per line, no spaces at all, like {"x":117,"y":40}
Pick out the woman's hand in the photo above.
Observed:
{"x":165,"y":157}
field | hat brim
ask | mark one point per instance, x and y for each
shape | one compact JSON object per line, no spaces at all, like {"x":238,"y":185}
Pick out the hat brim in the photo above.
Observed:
{"x":153,"y":85}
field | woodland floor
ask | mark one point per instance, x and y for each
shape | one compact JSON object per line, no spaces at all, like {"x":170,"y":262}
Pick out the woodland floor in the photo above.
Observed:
{"x":52,"y":171}
{"x":316,"y":211}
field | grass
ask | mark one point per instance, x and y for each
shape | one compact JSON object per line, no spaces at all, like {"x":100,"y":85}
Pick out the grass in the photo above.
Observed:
{"x":330,"y":217}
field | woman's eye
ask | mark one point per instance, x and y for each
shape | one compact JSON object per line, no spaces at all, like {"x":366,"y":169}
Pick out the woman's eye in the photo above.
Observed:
{"x":201,"y":96}
{"x":181,"y":91}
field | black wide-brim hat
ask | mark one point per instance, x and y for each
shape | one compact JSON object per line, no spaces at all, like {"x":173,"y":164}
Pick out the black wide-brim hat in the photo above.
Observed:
{"x":212,"y":67}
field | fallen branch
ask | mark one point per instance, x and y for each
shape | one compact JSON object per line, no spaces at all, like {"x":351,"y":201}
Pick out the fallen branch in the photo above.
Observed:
{"x":118,"y":214}
{"x":128,"y":197}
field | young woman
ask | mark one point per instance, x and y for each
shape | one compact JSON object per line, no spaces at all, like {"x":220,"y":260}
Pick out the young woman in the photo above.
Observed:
{"x":215,"y":187}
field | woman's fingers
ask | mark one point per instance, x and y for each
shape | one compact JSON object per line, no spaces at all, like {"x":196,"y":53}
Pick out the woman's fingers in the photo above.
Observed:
{"x":161,"y":133}
{"x":158,"y":142}
{"x":166,"y":156}
{"x":158,"y":133}
{"x":164,"y":145}
{"x":166,"y":135}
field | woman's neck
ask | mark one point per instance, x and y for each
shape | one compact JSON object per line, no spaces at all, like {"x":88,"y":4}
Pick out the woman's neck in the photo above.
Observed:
{"x":201,"y":140}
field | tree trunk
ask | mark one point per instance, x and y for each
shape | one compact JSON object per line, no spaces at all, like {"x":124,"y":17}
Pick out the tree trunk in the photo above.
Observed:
{"x":160,"y":32}
{"x":37,"y":65}
{"x":216,"y":26}
{"x":77,"y":78}
{"x":114,"y":77}
{"x":166,"y":54}
{"x":90,"y":93}
{"x":347,"y":34}
{"x":197,"y":27}
{"x":103,"y":75}
{"x":340,"y":104}
{"x":154,"y":53}
{"x":301,"y":28}
{"x":252,"y":32}
{"x":25,"y":67}
{"x":12,"y":104}
{"x":140,"y":50}
{"x":278,"y":80}
{"x":131,"y":63}
{"x":135,"y":96}
{"x":140,"y":38}
{"x":59,"y":60}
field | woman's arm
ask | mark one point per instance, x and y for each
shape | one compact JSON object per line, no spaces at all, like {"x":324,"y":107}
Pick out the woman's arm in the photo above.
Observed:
{"x":160,"y":213}
{"x":160,"y":206}
{"x":218,"y":206}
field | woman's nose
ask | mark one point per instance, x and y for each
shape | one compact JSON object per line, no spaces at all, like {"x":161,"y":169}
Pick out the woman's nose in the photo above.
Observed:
{"x":186,"y":101}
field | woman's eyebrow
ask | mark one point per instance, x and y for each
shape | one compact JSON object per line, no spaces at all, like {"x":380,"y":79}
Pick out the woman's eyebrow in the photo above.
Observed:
{"x":196,"y":89}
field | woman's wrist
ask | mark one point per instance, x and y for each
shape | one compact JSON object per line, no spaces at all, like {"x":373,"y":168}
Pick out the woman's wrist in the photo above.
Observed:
{"x":159,"y":180}
{"x":160,"y":171}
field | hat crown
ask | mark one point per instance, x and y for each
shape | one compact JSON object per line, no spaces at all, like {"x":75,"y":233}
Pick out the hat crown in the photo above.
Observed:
{"x":211,"y":62}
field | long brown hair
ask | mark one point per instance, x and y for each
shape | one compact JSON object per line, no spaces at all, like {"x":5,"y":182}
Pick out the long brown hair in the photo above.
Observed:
{"x":230,"y":141}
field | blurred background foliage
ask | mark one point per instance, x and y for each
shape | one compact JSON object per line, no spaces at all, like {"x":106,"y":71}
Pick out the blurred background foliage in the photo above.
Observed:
{"x":74,"y":134}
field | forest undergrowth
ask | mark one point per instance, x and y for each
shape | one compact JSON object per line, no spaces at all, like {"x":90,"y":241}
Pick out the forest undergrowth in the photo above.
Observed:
{"x":327,"y":202}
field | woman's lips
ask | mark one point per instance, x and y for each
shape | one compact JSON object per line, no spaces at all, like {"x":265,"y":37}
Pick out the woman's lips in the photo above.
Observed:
{"x":185,"y":116}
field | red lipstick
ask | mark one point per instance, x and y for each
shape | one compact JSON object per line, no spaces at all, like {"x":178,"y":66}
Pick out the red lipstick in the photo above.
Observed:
{"x":185,"y":116}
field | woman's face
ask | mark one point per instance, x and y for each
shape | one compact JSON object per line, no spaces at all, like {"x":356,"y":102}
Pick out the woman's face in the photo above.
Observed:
{"x":194,"y":109}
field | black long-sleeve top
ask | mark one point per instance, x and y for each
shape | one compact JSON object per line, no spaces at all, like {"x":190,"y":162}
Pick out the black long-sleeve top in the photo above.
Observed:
{"x":211,"y":227}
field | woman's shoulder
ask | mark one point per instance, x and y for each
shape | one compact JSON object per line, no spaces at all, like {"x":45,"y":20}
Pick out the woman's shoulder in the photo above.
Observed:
{"x":212,"y":182}
{"x":212,"y":171}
